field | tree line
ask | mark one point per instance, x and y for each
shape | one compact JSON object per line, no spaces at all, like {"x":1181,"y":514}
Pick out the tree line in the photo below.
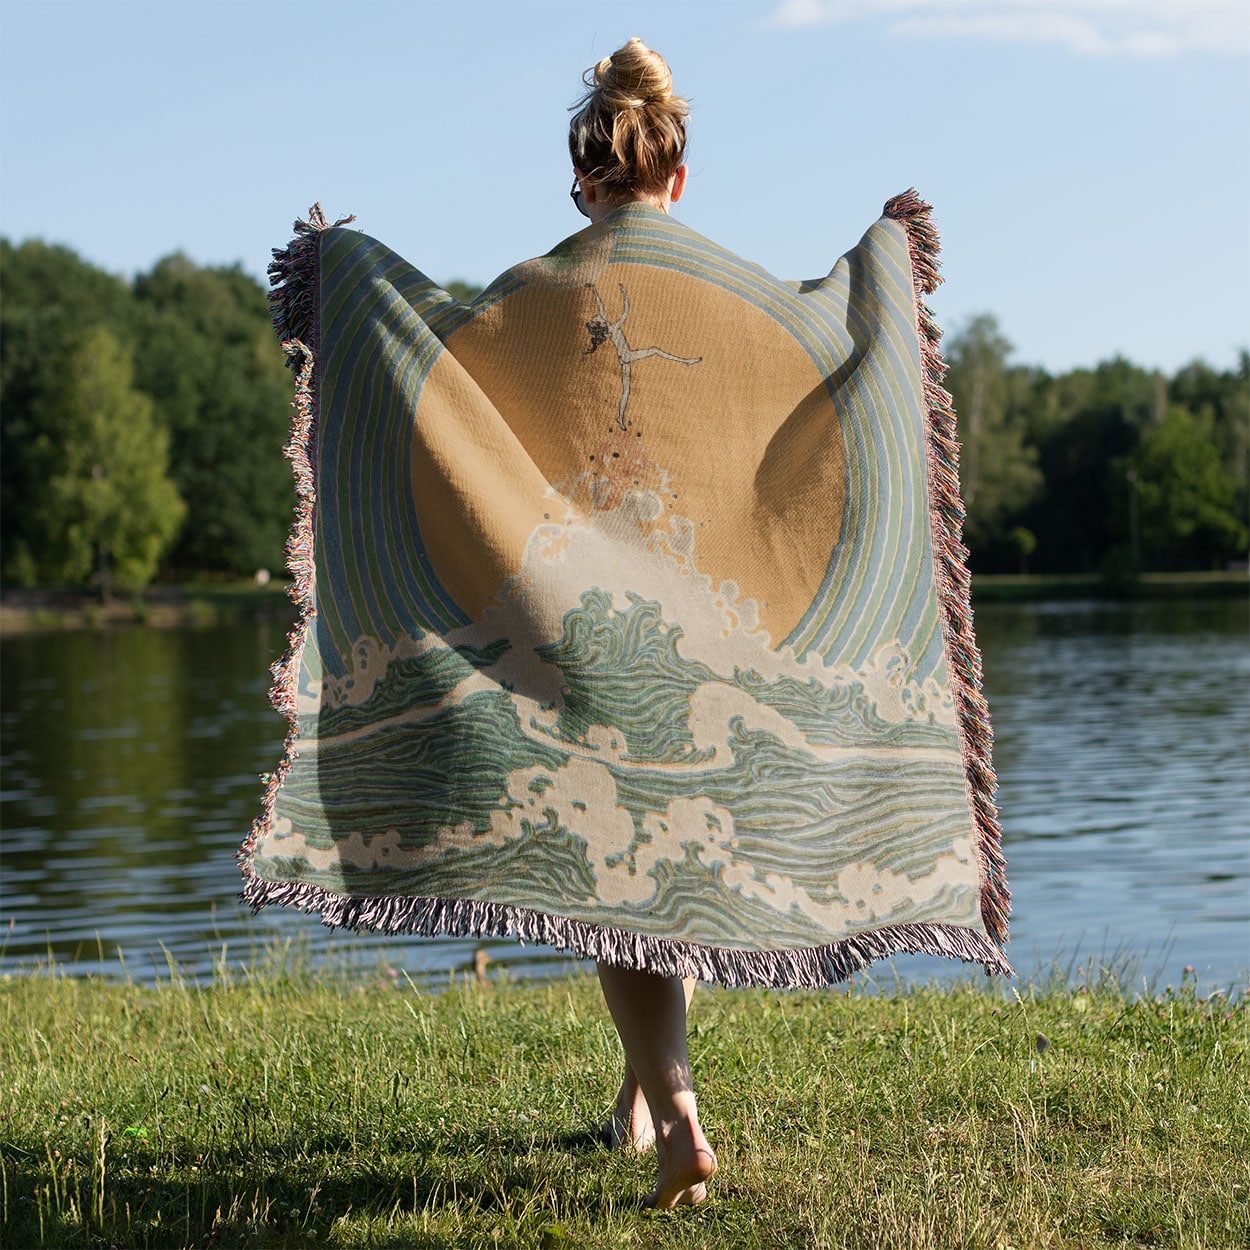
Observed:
{"x":142,"y":423}
{"x":1114,"y":470}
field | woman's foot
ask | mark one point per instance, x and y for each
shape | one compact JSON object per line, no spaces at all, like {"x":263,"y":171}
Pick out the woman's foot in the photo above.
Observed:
{"x":686,"y":1165}
{"x":649,"y":1011}
{"x":629,"y":1126}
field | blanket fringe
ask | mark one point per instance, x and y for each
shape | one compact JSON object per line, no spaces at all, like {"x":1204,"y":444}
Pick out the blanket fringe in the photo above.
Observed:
{"x":946,"y":511}
{"x":807,"y":968}
{"x":293,"y":277}
{"x":293,"y":301}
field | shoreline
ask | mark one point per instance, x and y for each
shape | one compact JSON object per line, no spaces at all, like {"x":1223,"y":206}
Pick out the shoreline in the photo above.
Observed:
{"x":173,"y":606}
{"x":1036,"y":587}
{"x":204,"y":604}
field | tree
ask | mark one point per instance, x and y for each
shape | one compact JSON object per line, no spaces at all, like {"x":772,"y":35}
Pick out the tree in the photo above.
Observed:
{"x":464,"y":291}
{"x":1086,"y":424}
{"x":106,"y":509}
{"x":1024,"y":543}
{"x":1187,"y":493}
{"x":51,"y":297}
{"x":997,"y":467}
{"x":208,"y":358}
{"x":1223,"y":399}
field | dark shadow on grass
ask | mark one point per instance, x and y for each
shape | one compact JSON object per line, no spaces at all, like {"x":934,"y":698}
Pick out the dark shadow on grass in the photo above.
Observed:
{"x":464,"y":1142}
{"x":584,"y":1141}
{"x":268,"y":1194}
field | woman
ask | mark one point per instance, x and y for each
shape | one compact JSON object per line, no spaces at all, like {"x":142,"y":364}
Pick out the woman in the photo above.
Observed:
{"x":635,"y":620}
{"x":628,"y":144}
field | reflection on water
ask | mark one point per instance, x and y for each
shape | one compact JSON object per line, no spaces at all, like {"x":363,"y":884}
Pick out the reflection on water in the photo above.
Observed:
{"x":131,"y":759}
{"x":1122,"y":747}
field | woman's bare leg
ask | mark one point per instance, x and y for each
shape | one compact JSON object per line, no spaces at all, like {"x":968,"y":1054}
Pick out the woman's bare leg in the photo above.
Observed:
{"x":629,"y":1127}
{"x":649,"y":1012}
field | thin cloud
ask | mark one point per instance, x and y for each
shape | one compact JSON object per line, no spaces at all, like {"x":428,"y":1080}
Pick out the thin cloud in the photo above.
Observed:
{"x":1134,"y":28}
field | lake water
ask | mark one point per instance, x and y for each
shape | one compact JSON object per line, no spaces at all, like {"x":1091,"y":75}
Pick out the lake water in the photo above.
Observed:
{"x":130,"y":762}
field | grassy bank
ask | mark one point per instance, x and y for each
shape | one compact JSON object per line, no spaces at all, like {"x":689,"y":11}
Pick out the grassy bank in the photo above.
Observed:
{"x":282,"y":1109}
{"x":217,"y":603}
{"x":1010,"y":587}
{"x":165,"y":606}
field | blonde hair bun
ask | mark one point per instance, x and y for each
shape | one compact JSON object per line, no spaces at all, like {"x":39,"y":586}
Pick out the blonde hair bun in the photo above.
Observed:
{"x":632,"y":77}
{"x":629,"y":131}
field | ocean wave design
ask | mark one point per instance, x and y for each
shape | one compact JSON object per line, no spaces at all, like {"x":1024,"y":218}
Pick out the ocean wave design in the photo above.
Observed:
{"x":654,"y":794}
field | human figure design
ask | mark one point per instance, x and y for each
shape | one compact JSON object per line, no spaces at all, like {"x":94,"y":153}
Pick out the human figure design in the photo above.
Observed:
{"x":601,"y":328}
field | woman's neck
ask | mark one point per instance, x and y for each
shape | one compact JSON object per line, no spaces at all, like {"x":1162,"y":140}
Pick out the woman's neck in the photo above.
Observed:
{"x":601,"y":208}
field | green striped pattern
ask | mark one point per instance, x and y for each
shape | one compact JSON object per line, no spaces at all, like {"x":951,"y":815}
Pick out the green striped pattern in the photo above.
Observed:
{"x":377,"y":353}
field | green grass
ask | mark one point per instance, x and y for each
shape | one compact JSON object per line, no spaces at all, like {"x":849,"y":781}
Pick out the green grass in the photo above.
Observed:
{"x":1031,"y":587}
{"x":208,"y":602}
{"x":285,"y":1108}
{"x":199,"y":604}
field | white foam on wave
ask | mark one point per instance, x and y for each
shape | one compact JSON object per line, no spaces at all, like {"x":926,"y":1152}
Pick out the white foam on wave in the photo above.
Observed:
{"x":634,"y":548}
{"x":639,"y":549}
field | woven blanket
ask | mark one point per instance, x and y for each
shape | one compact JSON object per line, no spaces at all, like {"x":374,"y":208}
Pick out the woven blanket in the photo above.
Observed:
{"x":634,"y":616}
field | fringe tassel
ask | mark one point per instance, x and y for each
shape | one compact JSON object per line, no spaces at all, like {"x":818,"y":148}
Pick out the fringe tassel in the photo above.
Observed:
{"x":808,"y":968}
{"x":294,"y":302}
{"x":946,"y":511}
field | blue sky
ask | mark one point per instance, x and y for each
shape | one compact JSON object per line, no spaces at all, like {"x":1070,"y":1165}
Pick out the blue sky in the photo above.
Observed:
{"x":1088,"y":160}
